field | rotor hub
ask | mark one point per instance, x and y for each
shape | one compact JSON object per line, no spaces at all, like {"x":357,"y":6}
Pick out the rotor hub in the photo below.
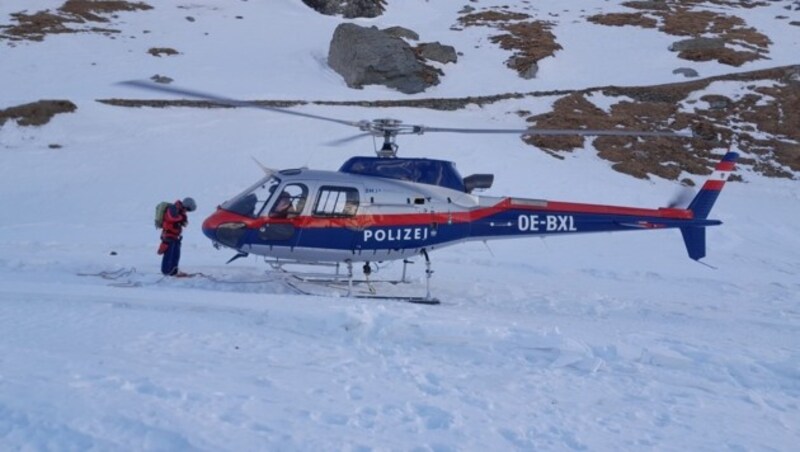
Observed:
{"x":388,"y":129}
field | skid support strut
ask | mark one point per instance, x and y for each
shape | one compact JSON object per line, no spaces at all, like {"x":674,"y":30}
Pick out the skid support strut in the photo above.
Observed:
{"x":427,"y":299}
{"x":368,"y":271}
{"x":349,"y":278}
{"x":405,"y":264}
{"x":428,"y":274}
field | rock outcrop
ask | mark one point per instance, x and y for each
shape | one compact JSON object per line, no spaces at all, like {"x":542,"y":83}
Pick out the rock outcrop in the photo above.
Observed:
{"x":348,"y":9}
{"x":368,"y":56}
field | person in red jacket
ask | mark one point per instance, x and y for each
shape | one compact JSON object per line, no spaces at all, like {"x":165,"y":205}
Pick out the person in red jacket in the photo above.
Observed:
{"x":175,"y":219}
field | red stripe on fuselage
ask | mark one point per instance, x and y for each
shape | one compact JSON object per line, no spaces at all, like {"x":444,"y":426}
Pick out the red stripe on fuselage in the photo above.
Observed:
{"x":223,"y":216}
{"x":366,"y":221}
{"x":569,"y":207}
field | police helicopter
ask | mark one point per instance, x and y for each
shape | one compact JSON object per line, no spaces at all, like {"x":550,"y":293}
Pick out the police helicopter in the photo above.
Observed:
{"x":385,"y":208}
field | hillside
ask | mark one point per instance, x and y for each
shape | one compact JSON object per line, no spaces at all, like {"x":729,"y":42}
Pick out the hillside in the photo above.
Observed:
{"x":756,"y":110}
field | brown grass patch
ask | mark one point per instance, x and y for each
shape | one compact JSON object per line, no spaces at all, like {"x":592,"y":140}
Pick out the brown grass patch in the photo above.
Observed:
{"x":725,"y":56}
{"x":717,"y":121}
{"x":732,"y":29}
{"x":681,"y":22}
{"x":71,"y":17}
{"x":676,"y":18}
{"x":91,"y":10}
{"x":490,"y":18}
{"x":530,"y":41}
{"x":647,"y":5}
{"x":622,"y":19}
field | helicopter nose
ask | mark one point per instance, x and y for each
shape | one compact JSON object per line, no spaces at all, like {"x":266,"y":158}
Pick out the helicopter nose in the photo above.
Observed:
{"x":224,"y":228}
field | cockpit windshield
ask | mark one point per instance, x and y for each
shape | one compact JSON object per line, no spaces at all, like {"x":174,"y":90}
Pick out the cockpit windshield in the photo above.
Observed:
{"x":252,"y":201}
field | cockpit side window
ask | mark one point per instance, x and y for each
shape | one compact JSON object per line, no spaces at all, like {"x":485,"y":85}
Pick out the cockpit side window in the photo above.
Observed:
{"x":290,"y":202}
{"x":252,"y":201}
{"x":336,"y":202}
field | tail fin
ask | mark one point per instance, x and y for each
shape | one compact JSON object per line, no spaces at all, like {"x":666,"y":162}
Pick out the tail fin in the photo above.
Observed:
{"x":694,"y":237}
{"x":702,"y":203}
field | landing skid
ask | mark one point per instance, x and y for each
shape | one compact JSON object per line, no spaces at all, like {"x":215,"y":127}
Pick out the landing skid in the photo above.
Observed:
{"x":345,"y":285}
{"x":415,"y":300}
{"x":327,"y":289}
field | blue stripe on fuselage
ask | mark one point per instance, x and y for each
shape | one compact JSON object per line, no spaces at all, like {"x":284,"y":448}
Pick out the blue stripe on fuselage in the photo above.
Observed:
{"x":372,"y":238}
{"x":511,"y":223}
{"x":526,"y":222}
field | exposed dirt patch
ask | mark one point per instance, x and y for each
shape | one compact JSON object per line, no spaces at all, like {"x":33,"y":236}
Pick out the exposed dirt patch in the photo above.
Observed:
{"x":529,"y":40}
{"x":74,"y":16}
{"x":677,"y":18}
{"x":36,"y":113}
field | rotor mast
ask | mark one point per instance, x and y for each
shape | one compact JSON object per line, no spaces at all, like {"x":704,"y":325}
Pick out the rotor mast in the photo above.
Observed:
{"x":389,"y":148}
{"x":389,"y":128}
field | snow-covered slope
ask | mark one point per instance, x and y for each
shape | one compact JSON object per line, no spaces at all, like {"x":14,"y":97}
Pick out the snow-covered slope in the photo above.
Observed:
{"x":599,"y":342}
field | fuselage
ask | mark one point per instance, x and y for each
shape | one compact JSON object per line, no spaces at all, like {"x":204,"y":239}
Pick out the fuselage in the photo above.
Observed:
{"x":338,"y":216}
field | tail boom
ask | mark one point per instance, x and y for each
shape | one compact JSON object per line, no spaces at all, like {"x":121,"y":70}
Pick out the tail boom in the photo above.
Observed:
{"x":514,"y":217}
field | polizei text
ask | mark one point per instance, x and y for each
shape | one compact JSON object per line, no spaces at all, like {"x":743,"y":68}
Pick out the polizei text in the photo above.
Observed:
{"x":395,"y":234}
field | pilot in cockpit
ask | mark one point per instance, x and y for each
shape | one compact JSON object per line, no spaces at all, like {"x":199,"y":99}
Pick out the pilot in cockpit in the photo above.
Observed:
{"x":282,"y":207}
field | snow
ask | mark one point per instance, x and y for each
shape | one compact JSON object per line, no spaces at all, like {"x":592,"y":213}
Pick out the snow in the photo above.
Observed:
{"x":599,"y":342}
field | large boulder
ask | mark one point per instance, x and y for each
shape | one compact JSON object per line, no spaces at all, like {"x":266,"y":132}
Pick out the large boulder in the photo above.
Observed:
{"x":348,"y":8}
{"x":368,"y":56}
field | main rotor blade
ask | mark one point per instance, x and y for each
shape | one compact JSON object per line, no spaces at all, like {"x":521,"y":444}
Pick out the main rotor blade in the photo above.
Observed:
{"x":560,"y":132}
{"x":390,"y":127}
{"x":346,"y":140}
{"x":221,"y":100}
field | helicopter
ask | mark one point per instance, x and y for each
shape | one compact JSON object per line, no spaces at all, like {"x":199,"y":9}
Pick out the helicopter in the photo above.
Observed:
{"x":385,"y":208}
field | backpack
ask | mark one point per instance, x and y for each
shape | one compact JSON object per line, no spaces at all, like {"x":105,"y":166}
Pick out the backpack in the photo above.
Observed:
{"x":160,"y":209}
